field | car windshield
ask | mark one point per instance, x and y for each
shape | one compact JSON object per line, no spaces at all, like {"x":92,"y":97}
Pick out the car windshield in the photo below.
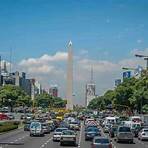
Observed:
{"x":92,"y":130}
{"x":68,"y":133}
{"x":124,"y":129}
{"x":60,"y":129}
{"x":105,"y":141}
{"x":145,"y":130}
{"x":35,"y":125}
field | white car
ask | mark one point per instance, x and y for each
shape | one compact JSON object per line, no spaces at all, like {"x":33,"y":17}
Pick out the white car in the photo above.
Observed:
{"x":68,"y":137}
{"x":57,"y":133}
{"x":143,"y":134}
{"x":124,"y":134}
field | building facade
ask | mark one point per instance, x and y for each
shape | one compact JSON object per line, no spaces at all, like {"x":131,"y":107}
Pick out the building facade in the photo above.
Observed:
{"x":53,"y":91}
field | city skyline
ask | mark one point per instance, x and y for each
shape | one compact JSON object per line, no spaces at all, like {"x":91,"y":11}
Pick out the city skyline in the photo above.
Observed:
{"x":105,"y":35}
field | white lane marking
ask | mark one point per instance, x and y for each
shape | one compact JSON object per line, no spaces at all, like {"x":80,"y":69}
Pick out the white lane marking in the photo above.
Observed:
{"x":80,"y":137}
{"x":43,"y":145}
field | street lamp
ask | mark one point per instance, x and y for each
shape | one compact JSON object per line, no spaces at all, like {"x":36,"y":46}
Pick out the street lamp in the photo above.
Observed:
{"x":145,"y":58}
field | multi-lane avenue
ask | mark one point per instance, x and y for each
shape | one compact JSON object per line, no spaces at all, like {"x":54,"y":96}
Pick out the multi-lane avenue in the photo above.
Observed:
{"x":21,"y":139}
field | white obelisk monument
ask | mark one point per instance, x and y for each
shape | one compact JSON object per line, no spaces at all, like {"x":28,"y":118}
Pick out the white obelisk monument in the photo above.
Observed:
{"x":69,"y":95}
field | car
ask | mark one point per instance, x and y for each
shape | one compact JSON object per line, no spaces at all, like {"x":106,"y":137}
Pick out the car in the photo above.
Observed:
{"x":27,"y":126}
{"x":52,"y":126}
{"x":74,"y":125}
{"x":90,"y":133}
{"x":124,"y":134}
{"x":64,"y":124}
{"x":36,"y":129}
{"x":57,"y":134}
{"x":89,"y":126}
{"x":68,"y":137}
{"x":10,"y":116}
{"x":46,"y":128}
{"x":106,"y":128}
{"x":113,"y":131}
{"x":143,"y":134}
{"x":99,"y":142}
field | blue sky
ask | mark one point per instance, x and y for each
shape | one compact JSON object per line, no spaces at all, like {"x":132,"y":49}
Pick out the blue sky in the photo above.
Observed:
{"x":104,"y":29}
{"x":33,"y":27}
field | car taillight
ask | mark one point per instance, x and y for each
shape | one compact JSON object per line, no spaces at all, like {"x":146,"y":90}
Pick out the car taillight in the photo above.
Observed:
{"x":110,"y":145}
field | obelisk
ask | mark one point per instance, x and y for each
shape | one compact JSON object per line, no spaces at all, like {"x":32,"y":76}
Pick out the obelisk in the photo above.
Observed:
{"x":69,"y":95}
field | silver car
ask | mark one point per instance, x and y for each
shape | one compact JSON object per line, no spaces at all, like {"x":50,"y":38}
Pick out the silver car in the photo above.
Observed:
{"x":101,"y":142}
{"x":124,"y":134}
{"x":68,"y":137}
{"x":143,"y":134}
{"x":57,"y":133}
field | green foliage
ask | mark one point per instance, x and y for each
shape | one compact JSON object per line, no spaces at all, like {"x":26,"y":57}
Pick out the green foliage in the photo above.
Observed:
{"x":11,"y":95}
{"x":132,"y":94}
{"x":7,"y":126}
{"x":45,"y":100}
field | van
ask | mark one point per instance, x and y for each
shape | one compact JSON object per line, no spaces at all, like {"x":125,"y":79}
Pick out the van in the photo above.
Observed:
{"x":36,"y":129}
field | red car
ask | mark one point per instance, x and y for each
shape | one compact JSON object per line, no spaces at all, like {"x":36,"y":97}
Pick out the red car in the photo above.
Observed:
{"x":3,"y":116}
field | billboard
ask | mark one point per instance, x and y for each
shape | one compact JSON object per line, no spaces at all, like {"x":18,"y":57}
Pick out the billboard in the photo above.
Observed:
{"x":138,"y":70}
{"x":126,"y":74}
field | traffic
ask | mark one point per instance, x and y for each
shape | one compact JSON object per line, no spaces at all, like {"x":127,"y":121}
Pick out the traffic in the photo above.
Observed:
{"x":78,"y":129}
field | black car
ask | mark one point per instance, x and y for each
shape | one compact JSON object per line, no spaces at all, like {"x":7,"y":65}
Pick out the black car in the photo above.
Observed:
{"x":27,"y":126}
{"x":113,"y":131}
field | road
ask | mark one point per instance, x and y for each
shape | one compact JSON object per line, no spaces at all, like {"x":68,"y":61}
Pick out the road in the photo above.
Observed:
{"x":21,"y":137}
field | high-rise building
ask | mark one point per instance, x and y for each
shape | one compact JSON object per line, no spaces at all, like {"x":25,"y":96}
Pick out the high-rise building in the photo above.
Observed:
{"x":90,"y":91}
{"x":53,"y":91}
{"x":69,"y":92}
{"x":38,"y":88}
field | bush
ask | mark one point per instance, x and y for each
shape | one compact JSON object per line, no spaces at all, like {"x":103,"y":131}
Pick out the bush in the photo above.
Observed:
{"x":7,"y":126}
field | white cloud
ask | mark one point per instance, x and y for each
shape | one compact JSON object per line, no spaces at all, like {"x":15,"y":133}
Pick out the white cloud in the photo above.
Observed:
{"x":48,"y":70}
{"x":139,"y":41}
{"x":59,"y":56}
{"x":84,"y":52}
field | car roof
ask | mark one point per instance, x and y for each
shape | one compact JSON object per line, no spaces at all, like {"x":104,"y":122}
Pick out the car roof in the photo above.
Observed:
{"x":98,"y":137}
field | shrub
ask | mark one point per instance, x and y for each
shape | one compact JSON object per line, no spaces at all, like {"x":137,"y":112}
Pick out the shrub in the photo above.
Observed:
{"x":7,"y":126}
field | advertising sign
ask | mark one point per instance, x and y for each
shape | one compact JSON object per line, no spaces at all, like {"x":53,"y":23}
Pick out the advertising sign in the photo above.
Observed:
{"x":126,"y":74}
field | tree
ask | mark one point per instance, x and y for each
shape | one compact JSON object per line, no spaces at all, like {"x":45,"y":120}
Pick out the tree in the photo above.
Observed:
{"x":11,"y":96}
{"x":131,"y":94}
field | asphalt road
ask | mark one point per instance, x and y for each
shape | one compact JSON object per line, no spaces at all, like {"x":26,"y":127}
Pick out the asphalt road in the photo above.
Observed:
{"x":21,"y":137}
